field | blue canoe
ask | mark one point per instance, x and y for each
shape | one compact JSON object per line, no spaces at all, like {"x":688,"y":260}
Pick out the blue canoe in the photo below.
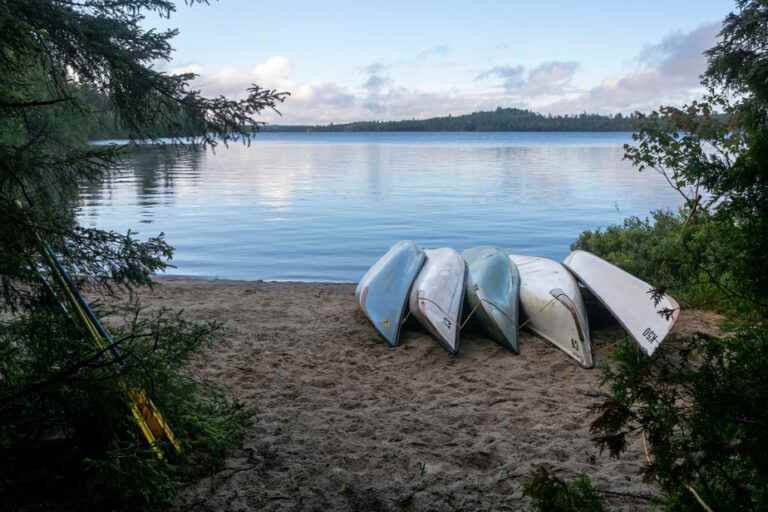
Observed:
{"x":493,"y":289}
{"x":383,"y":291}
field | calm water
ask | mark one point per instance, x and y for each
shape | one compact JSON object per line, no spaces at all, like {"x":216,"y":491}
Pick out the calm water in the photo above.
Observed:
{"x":324,"y":207}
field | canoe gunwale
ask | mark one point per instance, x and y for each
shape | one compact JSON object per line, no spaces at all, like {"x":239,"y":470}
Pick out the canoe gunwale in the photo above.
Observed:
{"x":555,"y":345}
{"x":584,"y":337}
{"x":495,"y":306}
{"x":571,"y":307}
{"x":420,"y":297}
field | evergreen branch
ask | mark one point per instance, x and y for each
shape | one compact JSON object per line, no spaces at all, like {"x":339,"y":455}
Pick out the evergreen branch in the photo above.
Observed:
{"x":32,"y":104}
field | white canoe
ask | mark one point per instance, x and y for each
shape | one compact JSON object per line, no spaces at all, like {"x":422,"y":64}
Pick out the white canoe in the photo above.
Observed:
{"x":383,"y":291}
{"x":553,"y":306}
{"x":437,"y":296}
{"x":627,"y":298}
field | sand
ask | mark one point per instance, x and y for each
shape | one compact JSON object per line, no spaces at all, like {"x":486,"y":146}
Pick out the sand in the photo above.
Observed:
{"x":345,"y":423}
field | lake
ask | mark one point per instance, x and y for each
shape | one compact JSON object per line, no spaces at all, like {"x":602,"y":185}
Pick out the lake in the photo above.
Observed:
{"x":325,"y":206}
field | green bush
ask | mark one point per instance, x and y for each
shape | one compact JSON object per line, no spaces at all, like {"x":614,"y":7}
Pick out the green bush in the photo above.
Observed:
{"x":553,"y":494}
{"x":67,"y":439}
{"x":700,"y":400}
{"x":701,"y":404}
{"x":690,"y":261}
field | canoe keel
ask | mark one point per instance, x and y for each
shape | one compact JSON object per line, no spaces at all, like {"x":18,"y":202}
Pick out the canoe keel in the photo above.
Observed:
{"x":493,"y":289}
{"x":437,"y":297}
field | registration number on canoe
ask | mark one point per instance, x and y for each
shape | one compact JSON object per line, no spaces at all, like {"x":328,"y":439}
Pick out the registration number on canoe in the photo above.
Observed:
{"x":650,"y":335}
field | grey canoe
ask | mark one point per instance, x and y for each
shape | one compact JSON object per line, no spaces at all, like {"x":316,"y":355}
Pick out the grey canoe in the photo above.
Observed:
{"x":383,"y":291}
{"x":552,"y":302}
{"x":493,"y":292}
{"x":437,"y":296}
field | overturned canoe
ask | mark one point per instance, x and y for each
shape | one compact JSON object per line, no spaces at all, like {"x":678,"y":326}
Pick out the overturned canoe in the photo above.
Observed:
{"x":552,"y":303}
{"x":437,"y":296}
{"x":493,"y":290}
{"x":382,"y":293}
{"x":628,"y":298}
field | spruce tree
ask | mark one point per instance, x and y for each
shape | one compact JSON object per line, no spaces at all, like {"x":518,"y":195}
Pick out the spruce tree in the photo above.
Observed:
{"x":66,"y":435}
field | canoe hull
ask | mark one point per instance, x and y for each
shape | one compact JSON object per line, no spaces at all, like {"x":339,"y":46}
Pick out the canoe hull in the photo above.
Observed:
{"x":493,"y":290}
{"x":437,"y":296}
{"x":554,"y":308}
{"x":382,"y":293}
{"x":627,"y":298}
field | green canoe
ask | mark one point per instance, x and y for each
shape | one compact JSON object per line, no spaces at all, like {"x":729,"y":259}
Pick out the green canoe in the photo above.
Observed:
{"x":493,"y":289}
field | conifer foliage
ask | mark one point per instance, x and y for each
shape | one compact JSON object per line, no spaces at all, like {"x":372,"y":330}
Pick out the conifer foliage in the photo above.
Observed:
{"x":699,"y":400}
{"x":67,"y":439}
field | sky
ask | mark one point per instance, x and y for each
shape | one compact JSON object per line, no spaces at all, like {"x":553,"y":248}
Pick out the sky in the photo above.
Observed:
{"x":361,"y":60}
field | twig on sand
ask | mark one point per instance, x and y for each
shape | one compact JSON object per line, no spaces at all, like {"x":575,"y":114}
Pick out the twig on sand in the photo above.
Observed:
{"x":644,"y":497}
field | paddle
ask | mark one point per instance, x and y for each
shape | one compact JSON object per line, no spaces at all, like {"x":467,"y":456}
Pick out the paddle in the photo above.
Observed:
{"x":146,"y":415}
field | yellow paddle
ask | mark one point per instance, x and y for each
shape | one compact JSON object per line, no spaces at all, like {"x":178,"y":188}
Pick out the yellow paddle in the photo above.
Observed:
{"x":147,"y":416}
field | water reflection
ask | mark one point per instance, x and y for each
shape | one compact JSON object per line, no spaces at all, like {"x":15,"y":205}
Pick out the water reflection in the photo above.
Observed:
{"x":143,"y":180}
{"x":325,"y":206}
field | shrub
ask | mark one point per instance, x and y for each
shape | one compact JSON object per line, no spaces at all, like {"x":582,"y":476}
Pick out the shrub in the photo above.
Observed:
{"x":67,"y":439}
{"x":553,"y":494}
{"x":701,"y":404}
{"x":690,"y":261}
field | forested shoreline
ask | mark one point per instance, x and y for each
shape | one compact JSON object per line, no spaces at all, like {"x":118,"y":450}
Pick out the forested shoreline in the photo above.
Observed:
{"x":104,"y":124}
{"x":498,"y":120}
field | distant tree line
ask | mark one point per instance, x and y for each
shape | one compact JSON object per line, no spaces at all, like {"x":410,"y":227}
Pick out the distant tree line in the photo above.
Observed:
{"x":105,"y":124}
{"x":499,"y":120}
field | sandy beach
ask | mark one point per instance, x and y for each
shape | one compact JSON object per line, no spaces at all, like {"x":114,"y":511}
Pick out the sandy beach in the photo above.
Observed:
{"x":345,"y":423}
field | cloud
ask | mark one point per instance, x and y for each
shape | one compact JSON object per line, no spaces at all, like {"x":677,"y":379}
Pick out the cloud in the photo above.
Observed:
{"x":189,"y":68}
{"x":374,"y":68}
{"x":551,"y":77}
{"x":378,"y":96}
{"x":400,"y":102}
{"x":374,"y":87}
{"x":681,"y":54}
{"x":439,"y":50}
{"x":376,"y":83}
{"x":325,"y":95}
{"x":512,"y":76}
{"x":667,"y":72}
{"x":272,"y":70}
{"x":501,"y":72}
{"x":547,"y":78}
{"x":326,"y":103}
{"x":273,"y":73}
